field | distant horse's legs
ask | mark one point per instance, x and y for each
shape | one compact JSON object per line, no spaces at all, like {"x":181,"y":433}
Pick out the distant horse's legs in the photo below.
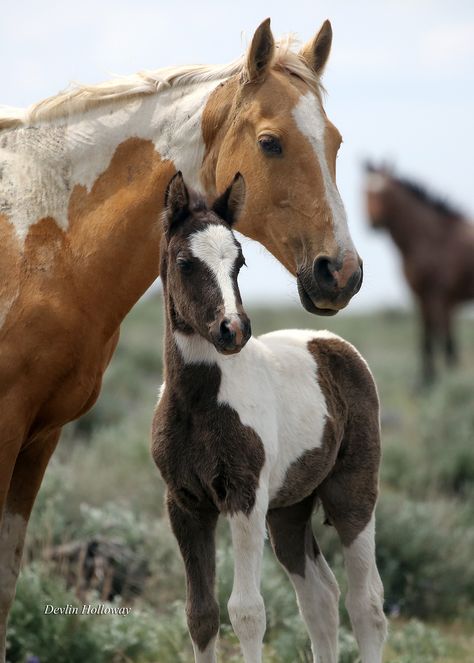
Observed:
{"x":26,"y":479}
{"x":195,"y":535}
{"x":315,"y":585}
{"x":348,"y":498}
{"x":246,"y":608}
{"x":428,"y":322}
{"x":450,"y":345}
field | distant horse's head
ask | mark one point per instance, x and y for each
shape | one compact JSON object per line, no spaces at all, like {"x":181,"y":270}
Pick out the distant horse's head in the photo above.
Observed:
{"x":378,"y":192}
{"x":277,"y":134}
{"x":200,"y":262}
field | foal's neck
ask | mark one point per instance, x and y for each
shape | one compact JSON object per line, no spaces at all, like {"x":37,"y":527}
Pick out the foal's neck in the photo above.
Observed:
{"x":189,"y":359}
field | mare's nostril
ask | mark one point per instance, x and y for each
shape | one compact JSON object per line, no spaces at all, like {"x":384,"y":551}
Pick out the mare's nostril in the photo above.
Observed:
{"x":323,"y":270}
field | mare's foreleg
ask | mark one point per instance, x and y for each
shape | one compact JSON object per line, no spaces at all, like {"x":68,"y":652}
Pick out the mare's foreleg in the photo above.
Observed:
{"x":315,"y":585}
{"x":25,"y":481}
{"x":195,"y":533}
{"x":246,"y":608}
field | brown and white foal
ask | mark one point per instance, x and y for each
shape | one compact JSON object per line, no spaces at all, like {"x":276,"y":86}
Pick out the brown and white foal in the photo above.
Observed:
{"x":261,"y":434}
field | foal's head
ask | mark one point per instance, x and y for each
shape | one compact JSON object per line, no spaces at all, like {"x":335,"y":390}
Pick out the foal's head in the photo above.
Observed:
{"x":200,"y":262}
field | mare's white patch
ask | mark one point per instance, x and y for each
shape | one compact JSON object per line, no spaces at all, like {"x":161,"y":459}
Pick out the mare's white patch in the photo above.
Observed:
{"x":272,"y":385}
{"x":310,"y":121}
{"x":375,"y":182}
{"x":40,"y":165}
{"x":216,"y":247}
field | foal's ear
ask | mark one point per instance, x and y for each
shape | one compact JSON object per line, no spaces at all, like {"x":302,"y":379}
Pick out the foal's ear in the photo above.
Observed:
{"x":176,"y":202}
{"x":260,"y":53}
{"x":230,"y":204}
{"x":316,"y":51}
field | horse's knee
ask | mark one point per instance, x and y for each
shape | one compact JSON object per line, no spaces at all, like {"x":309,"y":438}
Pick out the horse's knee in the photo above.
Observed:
{"x":247,"y":616}
{"x":203,"y":623}
{"x":366,"y":608}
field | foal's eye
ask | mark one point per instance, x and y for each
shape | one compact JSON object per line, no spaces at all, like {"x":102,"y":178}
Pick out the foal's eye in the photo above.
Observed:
{"x":185,"y":266}
{"x":270,"y":145}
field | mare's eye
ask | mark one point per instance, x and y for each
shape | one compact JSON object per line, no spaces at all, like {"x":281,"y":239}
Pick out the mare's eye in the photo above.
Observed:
{"x":185,"y":266}
{"x":270,"y":145}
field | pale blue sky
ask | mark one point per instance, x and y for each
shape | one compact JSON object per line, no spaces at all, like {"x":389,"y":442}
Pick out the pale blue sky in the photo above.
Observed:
{"x":400,"y":83}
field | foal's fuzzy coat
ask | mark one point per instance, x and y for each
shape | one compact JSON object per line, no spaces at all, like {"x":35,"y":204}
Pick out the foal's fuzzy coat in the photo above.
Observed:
{"x":261,"y":436}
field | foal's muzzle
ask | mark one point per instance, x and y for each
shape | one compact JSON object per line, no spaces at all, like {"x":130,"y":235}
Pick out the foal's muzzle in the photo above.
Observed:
{"x":229,"y":335}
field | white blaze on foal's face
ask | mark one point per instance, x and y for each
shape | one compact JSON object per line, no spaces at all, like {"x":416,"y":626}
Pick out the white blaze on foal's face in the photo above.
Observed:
{"x":216,"y":247}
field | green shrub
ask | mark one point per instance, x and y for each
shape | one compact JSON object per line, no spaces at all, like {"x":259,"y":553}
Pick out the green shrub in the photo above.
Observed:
{"x":425,"y":558}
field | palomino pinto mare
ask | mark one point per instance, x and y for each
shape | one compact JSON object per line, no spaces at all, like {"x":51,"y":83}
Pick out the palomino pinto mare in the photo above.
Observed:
{"x":82,"y":179}
{"x":261,"y":434}
{"x":437,"y":247}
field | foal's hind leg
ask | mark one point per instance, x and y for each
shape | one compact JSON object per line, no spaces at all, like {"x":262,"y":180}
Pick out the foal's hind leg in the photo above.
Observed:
{"x":195,"y":534}
{"x":349,"y":499}
{"x":315,"y":585}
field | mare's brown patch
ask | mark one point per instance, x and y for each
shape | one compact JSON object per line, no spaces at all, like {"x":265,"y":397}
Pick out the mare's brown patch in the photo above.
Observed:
{"x":75,"y":287}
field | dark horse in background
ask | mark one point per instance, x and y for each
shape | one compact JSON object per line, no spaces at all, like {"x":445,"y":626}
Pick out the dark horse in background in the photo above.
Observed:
{"x":437,"y":246}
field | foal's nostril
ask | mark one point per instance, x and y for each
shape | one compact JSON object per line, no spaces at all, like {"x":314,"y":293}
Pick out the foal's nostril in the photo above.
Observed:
{"x":323,"y":271}
{"x":226,"y":332}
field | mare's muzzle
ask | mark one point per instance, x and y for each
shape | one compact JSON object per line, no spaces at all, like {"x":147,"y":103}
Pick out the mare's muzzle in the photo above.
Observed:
{"x":229,"y":335}
{"x":327,"y":286}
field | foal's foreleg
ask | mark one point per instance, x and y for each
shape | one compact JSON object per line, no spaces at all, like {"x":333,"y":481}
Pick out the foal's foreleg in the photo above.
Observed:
{"x":315,"y":585}
{"x":246,"y":608}
{"x":195,"y":535}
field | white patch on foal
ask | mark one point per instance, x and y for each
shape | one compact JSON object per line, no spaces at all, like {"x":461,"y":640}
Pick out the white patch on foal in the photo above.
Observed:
{"x":310,"y":121}
{"x":364,"y":600}
{"x":272,"y":385}
{"x":318,"y":599}
{"x":215,"y":246}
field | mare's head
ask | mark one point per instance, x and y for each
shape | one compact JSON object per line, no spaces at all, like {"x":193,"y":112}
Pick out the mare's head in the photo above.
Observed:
{"x":277,"y":134}
{"x":379,"y":193}
{"x":200,"y":262}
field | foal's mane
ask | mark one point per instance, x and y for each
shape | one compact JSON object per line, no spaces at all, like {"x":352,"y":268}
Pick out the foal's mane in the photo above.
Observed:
{"x":78,"y":98}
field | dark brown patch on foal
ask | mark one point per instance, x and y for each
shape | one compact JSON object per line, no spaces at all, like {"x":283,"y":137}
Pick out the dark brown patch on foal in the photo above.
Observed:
{"x":343,"y":471}
{"x":350,"y":490}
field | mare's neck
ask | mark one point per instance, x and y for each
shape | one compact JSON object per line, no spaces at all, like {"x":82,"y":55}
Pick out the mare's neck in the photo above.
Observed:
{"x":410,"y":222}
{"x":105,"y":194}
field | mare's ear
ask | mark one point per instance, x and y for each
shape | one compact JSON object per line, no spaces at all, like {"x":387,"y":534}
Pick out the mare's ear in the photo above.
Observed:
{"x":230,"y":204}
{"x":316,"y":51}
{"x":260,"y":53}
{"x":176,"y":202}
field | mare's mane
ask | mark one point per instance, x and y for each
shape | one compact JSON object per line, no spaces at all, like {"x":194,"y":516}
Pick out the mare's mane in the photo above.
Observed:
{"x":420,"y":192}
{"x":436,"y":202}
{"x":79,"y":98}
